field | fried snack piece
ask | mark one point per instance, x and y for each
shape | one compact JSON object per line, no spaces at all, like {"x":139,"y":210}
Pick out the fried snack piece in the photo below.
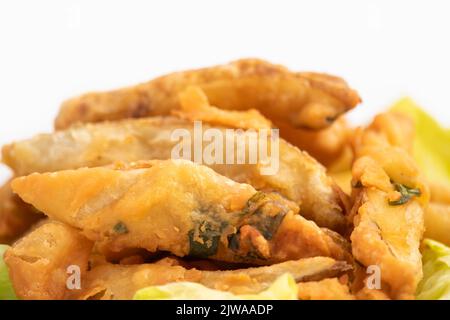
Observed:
{"x":179,"y":207}
{"x":390,"y":196}
{"x":326,"y":289}
{"x":38,"y":263}
{"x":16,"y":216}
{"x":117,"y":282}
{"x":299,"y":177}
{"x":308,"y":100}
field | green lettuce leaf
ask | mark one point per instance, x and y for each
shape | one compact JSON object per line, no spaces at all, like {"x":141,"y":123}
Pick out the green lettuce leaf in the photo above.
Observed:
{"x":283,"y":288}
{"x":6,"y":289}
{"x":435,"y":284}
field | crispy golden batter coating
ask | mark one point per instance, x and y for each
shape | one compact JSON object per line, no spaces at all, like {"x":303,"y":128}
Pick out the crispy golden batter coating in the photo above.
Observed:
{"x":327,"y":289}
{"x":116,"y":282}
{"x":180,"y":207}
{"x":194,"y":105}
{"x":16,"y":216}
{"x":38,"y":262}
{"x":299,"y":177}
{"x":308,"y":100}
{"x":390,"y":199}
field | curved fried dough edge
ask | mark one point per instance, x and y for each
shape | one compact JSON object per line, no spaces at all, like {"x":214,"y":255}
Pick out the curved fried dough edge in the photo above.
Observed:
{"x":180,"y":207}
{"x":118,"y":282}
{"x":300,"y":177}
{"x":16,"y":217}
{"x":387,"y":236}
{"x":38,"y":263}
{"x":194,"y":106}
{"x":302,"y":99}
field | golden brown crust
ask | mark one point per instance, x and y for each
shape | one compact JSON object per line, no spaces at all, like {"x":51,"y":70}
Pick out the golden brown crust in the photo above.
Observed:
{"x":16,"y":217}
{"x":194,"y":106}
{"x":38,"y":263}
{"x":302,"y":99}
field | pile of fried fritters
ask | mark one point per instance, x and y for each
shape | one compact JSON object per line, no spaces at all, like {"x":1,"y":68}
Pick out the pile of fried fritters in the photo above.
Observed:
{"x":103,"y":193}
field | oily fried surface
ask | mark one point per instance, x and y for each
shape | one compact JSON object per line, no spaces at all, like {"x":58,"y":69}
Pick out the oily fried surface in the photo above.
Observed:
{"x":180,"y":207}
{"x":38,"y":262}
{"x":388,"y":231}
{"x":16,"y":216}
{"x":308,"y":100}
{"x":116,"y":282}
{"x":298,"y":176}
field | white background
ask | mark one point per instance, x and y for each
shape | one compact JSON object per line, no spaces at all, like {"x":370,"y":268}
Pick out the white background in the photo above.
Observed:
{"x":52,"y":50}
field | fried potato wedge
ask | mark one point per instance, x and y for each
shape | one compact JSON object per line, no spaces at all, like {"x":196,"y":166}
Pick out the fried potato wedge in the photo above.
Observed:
{"x":38,"y":263}
{"x":298,"y":177}
{"x":390,"y":199}
{"x":437,"y":222}
{"x":439,"y":192}
{"x":116,"y":282}
{"x":16,"y":217}
{"x":308,"y":100}
{"x":325,"y":145}
{"x":179,"y":207}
